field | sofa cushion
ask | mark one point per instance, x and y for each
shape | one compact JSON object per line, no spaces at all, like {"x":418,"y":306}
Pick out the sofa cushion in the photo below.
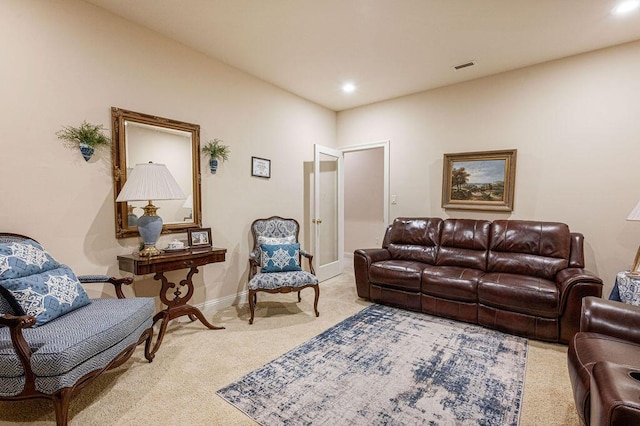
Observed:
{"x":50,"y":384}
{"x":519,"y":293}
{"x":451,"y":282}
{"x":537,"y":249}
{"x":415,"y":239}
{"x":464,"y":243}
{"x":71,"y":339}
{"x":402,"y":274}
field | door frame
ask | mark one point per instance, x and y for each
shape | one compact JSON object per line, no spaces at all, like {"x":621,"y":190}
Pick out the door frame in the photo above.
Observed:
{"x":385,"y":145}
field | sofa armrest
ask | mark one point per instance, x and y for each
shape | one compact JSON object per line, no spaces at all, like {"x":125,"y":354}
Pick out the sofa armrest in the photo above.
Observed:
{"x":362,"y":261}
{"x":117,"y":282}
{"x":374,"y":254}
{"x":610,"y":318}
{"x":574,"y":284}
{"x":569,"y":277}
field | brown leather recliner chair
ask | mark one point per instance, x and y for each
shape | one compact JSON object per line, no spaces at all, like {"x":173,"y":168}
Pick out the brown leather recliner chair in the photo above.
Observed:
{"x":604,"y":363}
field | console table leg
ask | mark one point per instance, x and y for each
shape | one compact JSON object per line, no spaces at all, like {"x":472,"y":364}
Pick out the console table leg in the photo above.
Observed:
{"x":178,"y":306}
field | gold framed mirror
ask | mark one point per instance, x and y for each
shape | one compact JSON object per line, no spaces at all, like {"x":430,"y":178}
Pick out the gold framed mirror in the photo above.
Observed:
{"x":141,"y":138}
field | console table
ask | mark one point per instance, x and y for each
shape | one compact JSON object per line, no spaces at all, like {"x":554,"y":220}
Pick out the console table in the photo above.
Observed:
{"x":171,"y":294}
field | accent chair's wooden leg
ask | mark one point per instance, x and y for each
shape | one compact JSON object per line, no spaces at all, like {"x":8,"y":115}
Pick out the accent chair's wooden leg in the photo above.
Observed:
{"x":61,"y":406}
{"x":315,"y":302}
{"x":147,"y":345}
{"x":299,"y":298}
{"x":252,"y":302}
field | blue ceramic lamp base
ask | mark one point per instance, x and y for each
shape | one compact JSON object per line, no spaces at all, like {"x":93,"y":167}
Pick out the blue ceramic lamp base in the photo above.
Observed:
{"x":149,"y":227}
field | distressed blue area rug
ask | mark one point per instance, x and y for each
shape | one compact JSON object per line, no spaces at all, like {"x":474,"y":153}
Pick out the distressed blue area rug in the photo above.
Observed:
{"x":386,"y":366}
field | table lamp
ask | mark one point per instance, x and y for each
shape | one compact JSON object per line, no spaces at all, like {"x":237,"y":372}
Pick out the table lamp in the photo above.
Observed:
{"x":635,"y":215}
{"x":147,"y":182}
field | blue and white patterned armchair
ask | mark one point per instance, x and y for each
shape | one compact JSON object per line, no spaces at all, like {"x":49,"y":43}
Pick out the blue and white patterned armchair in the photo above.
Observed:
{"x":275,"y":261}
{"x":54,"y":340}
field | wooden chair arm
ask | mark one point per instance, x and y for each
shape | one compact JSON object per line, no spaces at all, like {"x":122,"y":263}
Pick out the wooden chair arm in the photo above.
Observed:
{"x":253,"y":268}
{"x":16,"y":323}
{"x":310,"y":257}
{"x":117,"y":282}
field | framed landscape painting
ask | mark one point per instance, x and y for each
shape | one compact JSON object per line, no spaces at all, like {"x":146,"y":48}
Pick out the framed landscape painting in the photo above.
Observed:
{"x":479,"y":180}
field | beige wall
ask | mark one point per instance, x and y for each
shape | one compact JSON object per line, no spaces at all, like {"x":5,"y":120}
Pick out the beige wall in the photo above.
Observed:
{"x":67,"y":61}
{"x":575,"y":123}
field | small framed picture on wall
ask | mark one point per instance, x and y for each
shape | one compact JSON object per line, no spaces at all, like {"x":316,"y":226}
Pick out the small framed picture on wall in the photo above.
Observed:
{"x":260,"y":167}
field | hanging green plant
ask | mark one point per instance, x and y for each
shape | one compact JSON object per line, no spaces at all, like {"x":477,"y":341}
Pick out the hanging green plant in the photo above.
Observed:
{"x":87,"y":137}
{"x":216,"y":151}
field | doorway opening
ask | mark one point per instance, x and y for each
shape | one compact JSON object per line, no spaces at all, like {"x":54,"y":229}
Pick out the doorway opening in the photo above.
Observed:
{"x":366,"y":197}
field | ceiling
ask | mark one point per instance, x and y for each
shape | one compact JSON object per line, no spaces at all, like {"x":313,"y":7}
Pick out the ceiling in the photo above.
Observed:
{"x":387,"y":48}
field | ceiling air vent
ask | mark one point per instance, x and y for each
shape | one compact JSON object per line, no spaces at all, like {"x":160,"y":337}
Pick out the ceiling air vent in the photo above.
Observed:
{"x":465,"y":65}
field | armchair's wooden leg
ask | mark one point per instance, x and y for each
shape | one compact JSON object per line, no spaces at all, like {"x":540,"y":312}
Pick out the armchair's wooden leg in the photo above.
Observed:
{"x":61,"y":405}
{"x":252,"y":302}
{"x":299,"y":298}
{"x":315,"y":302}
{"x":147,"y":344}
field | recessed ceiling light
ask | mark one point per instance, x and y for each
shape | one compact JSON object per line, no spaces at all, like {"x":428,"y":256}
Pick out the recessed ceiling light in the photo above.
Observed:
{"x":626,"y":7}
{"x":348,"y":88}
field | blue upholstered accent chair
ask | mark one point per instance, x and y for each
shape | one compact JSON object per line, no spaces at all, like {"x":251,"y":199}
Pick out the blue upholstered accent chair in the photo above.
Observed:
{"x":56,"y":358}
{"x":275,"y":263}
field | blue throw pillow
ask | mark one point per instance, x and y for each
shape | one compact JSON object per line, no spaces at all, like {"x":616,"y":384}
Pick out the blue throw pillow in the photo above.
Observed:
{"x":23,"y":259}
{"x":280,"y":257}
{"x":33,"y":283}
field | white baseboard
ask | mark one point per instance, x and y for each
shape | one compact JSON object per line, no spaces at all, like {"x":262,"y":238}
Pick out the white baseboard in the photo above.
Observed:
{"x":224,"y":302}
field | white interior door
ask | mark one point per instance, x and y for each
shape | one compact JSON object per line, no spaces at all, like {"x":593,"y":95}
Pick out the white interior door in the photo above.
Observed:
{"x":328,"y":220}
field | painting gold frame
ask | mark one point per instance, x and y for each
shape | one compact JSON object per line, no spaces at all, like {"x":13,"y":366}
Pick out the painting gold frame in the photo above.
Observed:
{"x":483,"y":180}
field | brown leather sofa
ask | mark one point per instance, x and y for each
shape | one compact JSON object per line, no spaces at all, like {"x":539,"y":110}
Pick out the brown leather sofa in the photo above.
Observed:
{"x":520,"y":277}
{"x":604,"y":363}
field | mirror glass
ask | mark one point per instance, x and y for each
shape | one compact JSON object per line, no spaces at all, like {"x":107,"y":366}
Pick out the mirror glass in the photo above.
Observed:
{"x":140,"y":138}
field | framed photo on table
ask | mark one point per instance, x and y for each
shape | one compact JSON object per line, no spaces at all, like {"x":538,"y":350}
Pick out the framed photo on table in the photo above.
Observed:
{"x":199,"y":238}
{"x":260,"y":167}
{"x":479,"y":180}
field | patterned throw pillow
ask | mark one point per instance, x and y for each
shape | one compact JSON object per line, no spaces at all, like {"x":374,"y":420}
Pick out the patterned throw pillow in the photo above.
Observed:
{"x":291,"y":239}
{"x":33,"y":283}
{"x":23,"y":259}
{"x":280,"y":257}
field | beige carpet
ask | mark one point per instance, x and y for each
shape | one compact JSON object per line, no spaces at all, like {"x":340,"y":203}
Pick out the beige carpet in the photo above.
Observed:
{"x":179,"y":386}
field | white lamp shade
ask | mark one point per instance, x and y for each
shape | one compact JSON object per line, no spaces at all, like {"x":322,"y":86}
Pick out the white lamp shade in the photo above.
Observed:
{"x":150,"y":181}
{"x":635,"y":213}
